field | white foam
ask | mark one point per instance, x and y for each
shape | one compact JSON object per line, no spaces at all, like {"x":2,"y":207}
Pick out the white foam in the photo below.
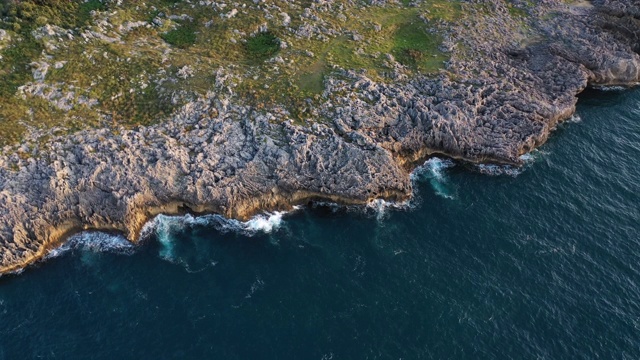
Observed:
{"x":264,"y":223}
{"x":434,"y":170}
{"x":575,"y":118}
{"x":96,"y":242}
{"x":528,"y":157}
{"x":381,"y":207}
{"x":256,"y":286}
{"x":165,"y":227}
{"x":498,"y":170}
{"x":610,"y":88}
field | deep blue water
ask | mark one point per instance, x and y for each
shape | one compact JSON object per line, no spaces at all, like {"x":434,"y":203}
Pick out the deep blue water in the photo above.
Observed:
{"x":544,"y":264}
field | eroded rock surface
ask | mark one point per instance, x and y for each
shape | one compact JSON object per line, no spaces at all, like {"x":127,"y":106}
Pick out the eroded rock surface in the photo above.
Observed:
{"x":501,"y":95}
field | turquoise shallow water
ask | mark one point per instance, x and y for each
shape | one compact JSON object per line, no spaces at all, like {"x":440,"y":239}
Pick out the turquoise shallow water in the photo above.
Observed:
{"x":540,"y":265}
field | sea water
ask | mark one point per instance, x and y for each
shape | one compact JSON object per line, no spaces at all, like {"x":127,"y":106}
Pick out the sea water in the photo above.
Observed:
{"x":539,"y":262}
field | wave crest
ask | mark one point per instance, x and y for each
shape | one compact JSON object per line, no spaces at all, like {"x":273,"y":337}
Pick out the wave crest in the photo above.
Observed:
{"x":263,"y":223}
{"x":96,"y":242}
{"x":498,"y":170}
{"x":434,"y":170}
{"x":194,"y":258}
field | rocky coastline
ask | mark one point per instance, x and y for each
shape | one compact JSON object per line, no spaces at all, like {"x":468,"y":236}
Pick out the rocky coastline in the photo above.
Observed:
{"x":502,"y":94}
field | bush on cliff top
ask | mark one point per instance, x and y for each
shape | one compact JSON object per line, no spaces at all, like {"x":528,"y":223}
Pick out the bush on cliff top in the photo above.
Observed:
{"x":182,"y":37}
{"x":262,"y":46}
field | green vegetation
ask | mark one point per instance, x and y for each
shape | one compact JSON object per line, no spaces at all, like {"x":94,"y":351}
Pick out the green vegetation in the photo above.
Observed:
{"x":65,"y":13}
{"x":14,"y":69}
{"x":131,"y":63}
{"x":414,"y":47}
{"x":85,"y":9}
{"x":182,"y":37}
{"x":311,"y":82}
{"x":262,"y":46}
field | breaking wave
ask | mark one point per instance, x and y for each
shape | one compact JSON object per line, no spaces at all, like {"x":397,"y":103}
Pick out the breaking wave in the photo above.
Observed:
{"x":575,"y":118}
{"x":168,"y":229}
{"x":498,"y":170}
{"x":610,"y":88}
{"x":263,"y":223}
{"x":434,"y":170}
{"x":96,"y":242}
{"x":381,"y":207}
{"x":194,"y":255}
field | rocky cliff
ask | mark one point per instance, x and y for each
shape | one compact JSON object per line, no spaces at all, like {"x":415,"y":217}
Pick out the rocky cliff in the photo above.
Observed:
{"x":506,"y":86}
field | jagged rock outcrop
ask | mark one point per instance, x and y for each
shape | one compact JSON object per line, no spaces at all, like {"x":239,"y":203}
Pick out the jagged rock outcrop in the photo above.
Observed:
{"x":498,"y":99}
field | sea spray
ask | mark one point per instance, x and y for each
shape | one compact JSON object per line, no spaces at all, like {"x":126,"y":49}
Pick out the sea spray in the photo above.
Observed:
{"x":193,"y":257}
{"x":574,"y":119}
{"x":614,"y":88}
{"x":95,"y":242}
{"x":381,"y":207}
{"x":167,"y":230}
{"x":497,"y":170}
{"x":263,"y":223}
{"x":166,"y":225}
{"x":433,"y":170}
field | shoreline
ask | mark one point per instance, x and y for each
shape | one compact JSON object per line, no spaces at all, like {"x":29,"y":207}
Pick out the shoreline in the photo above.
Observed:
{"x":303,"y":198}
{"x":150,"y":214}
{"x":497,"y":99}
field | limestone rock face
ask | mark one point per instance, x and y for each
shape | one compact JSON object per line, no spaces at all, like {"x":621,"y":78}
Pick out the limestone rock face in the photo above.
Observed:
{"x":218,"y":155}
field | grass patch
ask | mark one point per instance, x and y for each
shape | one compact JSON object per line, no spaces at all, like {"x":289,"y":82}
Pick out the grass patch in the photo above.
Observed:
{"x":14,"y":68}
{"x":64,"y":13}
{"x":401,"y":33}
{"x":414,"y":47}
{"x":311,"y":81}
{"x":446,"y":10}
{"x":143,"y":107}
